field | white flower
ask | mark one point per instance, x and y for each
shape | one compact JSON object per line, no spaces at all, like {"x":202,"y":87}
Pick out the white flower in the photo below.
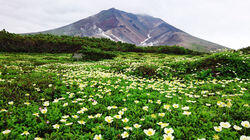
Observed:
{"x":36,"y":114}
{"x":65,"y":116}
{"x":109,"y":119}
{"x":218,"y":128}
{"x":80,"y":112}
{"x":243,"y":137}
{"x":175,"y":105}
{"x":161,"y":114}
{"x":125,"y":135}
{"x":69,"y":123}
{"x":94,"y":103}
{"x":185,"y":108}
{"x":158,"y":101}
{"x":27,"y":103}
{"x":166,"y":107}
{"x":75,"y":116}
{"x":25,"y":133}
{"x":208,"y":104}
{"x":56,"y":101}
{"x":65,"y":104}
{"x":109,"y":107}
{"x":98,"y":137}
{"x":169,"y":130}
{"x":81,"y":122}
{"x":225,"y":124}
{"x":124,"y":109}
{"x":3,"y":110}
{"x":6,"y":131}
{"x":84,"y":109}
{"x":46,"y":103}
{"x":56,"y":126}
{"x":125,"y":120}
{"x":149,"y":132}
{"x":186,"y":113}
{"x":63,"y":120}
{"x":128,"y":128}
{"x":137,"y":125}
{"x":43,"y":111}
{"x":245,"y":124}
{"x":150,"y":101}
{"x":98,"y":115}
{"x":120,"y":112}
{"x":11,"y":103}
{"x":168,"y":137}
{"x":118,"y":116}
{"x":164,"y":125}
{"x":237,"y":127}
{"x":145,"y":108}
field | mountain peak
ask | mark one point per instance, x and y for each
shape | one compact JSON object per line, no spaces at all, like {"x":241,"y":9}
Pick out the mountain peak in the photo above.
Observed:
{"x":113,"y":9}
{"x":142,"y":30}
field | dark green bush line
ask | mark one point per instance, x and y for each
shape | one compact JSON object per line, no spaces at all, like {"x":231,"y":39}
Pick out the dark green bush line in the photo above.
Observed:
{"x":46,"y":43}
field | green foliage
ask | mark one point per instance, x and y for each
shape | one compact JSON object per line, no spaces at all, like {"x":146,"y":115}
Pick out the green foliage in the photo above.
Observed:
{"x":47,"y":43}
{"x":146,"y":71}
{"x":245,"y":50}
{"x":96,"y":54}
{"x":225,"y":64}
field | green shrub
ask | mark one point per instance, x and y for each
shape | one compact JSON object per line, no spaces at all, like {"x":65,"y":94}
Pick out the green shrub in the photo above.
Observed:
{"x":146,"y":71}
{"x":245,"y":50}
{"x":96,"y":54}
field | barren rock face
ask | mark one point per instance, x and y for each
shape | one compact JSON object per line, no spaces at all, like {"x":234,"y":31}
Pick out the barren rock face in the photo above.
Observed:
{"x":141,"y":30}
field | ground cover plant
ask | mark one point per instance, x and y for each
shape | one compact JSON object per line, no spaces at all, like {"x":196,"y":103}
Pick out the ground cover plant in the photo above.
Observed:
{"x":132,"y":96}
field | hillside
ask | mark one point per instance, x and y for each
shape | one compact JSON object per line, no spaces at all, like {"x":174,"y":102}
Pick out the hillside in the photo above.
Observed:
{"x":141,"y":30}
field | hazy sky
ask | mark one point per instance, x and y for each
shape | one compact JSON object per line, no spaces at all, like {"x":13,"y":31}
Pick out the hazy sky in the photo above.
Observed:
{"x":226,"y":22}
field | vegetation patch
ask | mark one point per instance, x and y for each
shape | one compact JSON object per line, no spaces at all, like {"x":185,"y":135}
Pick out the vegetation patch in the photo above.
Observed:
{"x":95,"y":54}
{"x":225,"y":64}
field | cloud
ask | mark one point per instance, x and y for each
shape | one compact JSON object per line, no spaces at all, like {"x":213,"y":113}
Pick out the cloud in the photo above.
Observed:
{"x":225,"y":22}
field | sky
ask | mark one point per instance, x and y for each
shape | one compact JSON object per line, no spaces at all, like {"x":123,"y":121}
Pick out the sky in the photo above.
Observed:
{"x":226,"y":22}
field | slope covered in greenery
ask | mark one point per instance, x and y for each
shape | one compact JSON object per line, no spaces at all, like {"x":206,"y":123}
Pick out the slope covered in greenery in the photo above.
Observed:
{"x":132,"y":96}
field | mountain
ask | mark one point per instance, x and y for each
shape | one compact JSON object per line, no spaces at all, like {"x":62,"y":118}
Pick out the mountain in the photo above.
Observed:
{"x":142,"y":30}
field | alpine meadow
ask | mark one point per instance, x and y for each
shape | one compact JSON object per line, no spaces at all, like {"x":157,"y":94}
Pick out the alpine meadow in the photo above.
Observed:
{"x":118,"y":75}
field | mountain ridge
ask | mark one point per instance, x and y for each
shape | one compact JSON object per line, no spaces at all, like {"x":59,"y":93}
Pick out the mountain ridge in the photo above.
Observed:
{"x":141,"y":30}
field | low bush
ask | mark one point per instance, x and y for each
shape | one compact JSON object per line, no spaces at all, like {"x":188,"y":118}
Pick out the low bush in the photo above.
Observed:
{"x":245,"y":50}
{"x":95,"y":54}
{"x":146,"y":71}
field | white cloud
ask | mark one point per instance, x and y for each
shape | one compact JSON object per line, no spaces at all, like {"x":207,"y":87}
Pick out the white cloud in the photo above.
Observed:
{"x":226,"y":22}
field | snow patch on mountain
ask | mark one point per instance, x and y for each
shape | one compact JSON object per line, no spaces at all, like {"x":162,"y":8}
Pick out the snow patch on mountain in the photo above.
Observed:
{"x":143,"y":43}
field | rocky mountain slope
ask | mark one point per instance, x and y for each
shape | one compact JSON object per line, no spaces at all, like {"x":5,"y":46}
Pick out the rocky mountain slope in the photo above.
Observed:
{"x":141,"y":30}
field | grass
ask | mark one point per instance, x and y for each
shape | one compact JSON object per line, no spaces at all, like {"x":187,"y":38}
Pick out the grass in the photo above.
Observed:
{"x":147,"y":89}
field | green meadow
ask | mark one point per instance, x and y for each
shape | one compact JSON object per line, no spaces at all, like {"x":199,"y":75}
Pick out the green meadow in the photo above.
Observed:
{"x":131,"y":96}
